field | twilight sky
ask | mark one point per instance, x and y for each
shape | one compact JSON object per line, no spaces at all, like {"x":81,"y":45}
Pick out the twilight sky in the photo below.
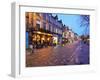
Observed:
{"x":73,"y":21}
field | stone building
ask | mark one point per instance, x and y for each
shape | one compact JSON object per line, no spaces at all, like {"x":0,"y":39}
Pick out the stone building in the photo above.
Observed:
{"x":43,"y":29}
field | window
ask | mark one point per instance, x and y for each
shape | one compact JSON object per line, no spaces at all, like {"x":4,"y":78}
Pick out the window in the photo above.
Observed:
{"x":44,"y":26}
{"x":38,"y":22}
{"x":30,"y":19}
{"x":27,"y":19}
{"x":44,"y":16}
{"x":49,"y":28}
{"x":38,"y":14}
{"x":38,"y":26}
{"x":56,"y":30}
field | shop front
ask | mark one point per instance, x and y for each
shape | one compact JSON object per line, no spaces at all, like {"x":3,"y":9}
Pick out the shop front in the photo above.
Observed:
{"x":40,"y":40}
{"x":55,"y":39}
{"x":65,"y":41}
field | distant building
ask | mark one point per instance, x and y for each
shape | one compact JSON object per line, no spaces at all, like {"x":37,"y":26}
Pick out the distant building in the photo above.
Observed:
{"x":68,"y":35}
{"x":65,"y":34}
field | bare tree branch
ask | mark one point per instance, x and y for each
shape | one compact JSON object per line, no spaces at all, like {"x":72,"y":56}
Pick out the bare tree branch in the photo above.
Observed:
{"x":85,"y":22}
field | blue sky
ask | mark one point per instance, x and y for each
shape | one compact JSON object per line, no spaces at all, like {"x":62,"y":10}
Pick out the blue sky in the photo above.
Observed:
{"x":73,"y":21}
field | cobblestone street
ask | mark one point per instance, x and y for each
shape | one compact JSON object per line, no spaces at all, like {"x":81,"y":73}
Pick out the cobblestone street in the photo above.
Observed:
{"x":70,"y":54}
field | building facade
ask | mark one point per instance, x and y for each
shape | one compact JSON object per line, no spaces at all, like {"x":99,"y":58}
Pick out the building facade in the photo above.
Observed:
{"x":43,"y":29}
{"x":68,"y":35}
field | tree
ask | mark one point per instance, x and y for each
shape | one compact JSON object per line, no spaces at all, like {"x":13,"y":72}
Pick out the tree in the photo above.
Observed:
{"x":85,"y":22}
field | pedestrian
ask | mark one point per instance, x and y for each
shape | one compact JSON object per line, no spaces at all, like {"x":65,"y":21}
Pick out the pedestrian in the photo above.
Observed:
{"x":31,"y":48}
